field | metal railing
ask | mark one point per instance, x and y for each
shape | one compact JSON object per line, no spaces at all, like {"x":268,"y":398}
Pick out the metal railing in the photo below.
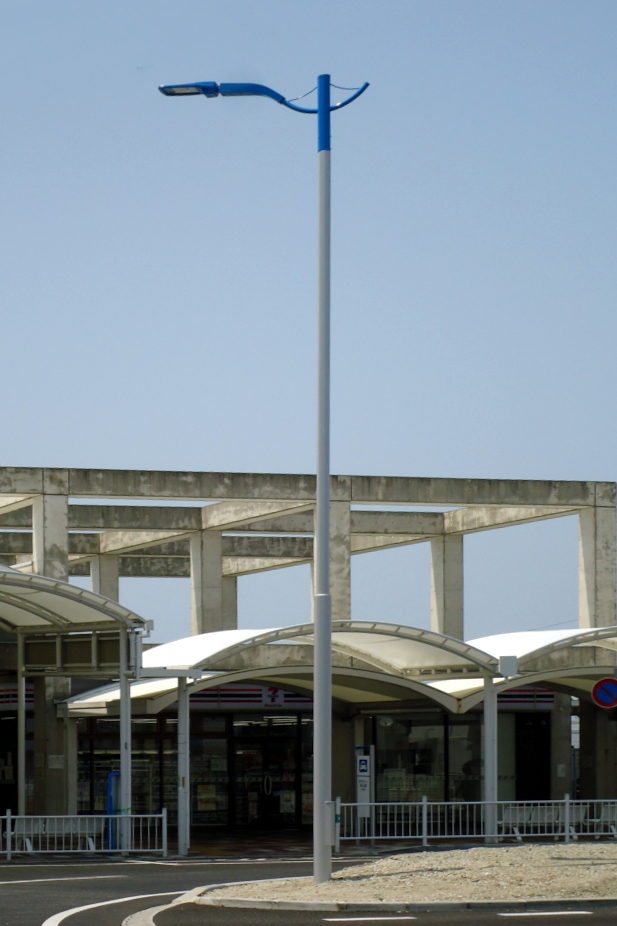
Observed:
{"x":425,"y":820}
{"x":122,"y":833}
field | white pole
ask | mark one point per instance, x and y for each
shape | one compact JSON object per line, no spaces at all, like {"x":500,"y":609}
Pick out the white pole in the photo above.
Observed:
{"x":21,"y":729}
{"x":125,"y":740}
{"x":184,"y":809}
{"x":322,"y":655}
{"x":490,"y":758}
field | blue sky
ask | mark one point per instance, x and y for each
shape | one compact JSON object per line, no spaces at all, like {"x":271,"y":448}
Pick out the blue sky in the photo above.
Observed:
{"x":158,"y":263}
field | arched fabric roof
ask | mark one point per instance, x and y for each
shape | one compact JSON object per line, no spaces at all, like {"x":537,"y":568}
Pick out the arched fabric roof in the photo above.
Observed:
{"x":395,"y":648}
{"x":382,"y":663}
{"x":543,"y":656}
{"x":385,"y":663}
{"x":36,"y":604}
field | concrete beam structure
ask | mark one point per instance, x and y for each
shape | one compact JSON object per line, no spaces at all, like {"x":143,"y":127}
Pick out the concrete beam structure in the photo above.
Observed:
{"x":265,"y":521}
{"x":358,"y":490}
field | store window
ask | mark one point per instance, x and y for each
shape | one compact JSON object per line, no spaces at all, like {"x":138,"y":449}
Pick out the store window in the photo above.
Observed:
{"x":410,"y":757}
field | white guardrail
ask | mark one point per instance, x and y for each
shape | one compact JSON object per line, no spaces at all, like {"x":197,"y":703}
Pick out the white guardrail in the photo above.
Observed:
{"x":429,"y":820}
{"x":121,"y":833}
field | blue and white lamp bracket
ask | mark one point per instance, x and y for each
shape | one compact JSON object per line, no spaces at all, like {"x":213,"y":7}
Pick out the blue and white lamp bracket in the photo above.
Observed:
{"x":211,"y":89}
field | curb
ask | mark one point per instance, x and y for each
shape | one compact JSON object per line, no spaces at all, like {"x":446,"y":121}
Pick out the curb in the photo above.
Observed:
{"x":539,"y":905}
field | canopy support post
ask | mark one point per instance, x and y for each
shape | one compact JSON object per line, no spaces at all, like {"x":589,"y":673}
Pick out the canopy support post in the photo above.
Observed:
{"x":184,"y":790}
{"x":21,"y":728}
{"x":125,"y":743}
{"x":490,"y":759}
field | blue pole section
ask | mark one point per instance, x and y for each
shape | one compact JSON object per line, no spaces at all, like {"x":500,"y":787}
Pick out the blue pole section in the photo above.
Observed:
{"x":322,"y":652}
{"x":323,"y":112}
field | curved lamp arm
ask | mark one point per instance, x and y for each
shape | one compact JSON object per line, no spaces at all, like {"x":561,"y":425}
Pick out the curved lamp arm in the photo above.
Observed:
{"x":211,"y":89}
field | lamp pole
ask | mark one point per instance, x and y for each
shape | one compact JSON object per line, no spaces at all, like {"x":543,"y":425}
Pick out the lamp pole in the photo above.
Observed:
{"x":322,"y":607}
{"x":322,"y":601}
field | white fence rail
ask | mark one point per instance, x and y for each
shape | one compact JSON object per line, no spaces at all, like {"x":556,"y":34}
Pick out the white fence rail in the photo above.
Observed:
{"x":425,"y":821}
{"x":123,"y":833}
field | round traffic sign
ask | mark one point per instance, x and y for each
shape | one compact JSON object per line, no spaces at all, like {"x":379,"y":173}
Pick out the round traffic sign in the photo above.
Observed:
{"x":604,"y":692}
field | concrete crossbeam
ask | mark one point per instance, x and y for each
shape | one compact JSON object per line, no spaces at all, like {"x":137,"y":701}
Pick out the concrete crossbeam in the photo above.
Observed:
{"x":235,"y":514}
{"x":369,"y":543}
{"x":291,"y":524}
{"x":123,"y":541}
{"x":244,"y":565}
{"x":18,"y":542}
{"x":10,"y":503}
{"x":15,"y":543}
{"x":426,"y":523}
{"x":473,"y":520}
{"x":359,"y":490}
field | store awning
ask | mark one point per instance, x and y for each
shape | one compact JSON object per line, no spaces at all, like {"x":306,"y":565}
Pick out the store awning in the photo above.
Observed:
{"x":36,"y":604}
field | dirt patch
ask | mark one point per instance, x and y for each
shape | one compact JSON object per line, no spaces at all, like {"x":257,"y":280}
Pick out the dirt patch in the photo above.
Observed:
{"x":512,"y":873}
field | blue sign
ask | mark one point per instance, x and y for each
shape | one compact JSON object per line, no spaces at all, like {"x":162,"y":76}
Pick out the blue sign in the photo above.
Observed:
{"x":604,"y":692}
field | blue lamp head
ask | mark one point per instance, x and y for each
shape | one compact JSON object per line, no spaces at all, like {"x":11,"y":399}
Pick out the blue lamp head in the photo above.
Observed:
{"x":205,"y":87}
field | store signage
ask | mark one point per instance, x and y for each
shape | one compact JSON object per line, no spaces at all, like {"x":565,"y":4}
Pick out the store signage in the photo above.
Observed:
{"x":604,"y":692}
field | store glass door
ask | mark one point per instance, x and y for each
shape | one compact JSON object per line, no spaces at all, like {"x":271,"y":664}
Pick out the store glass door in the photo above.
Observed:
{"x":265,"y":771}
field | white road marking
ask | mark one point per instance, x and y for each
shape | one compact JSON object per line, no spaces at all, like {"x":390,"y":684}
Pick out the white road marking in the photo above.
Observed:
{"x":552,"y":913}
{"x":58,"y":918}
{"x":368,"y":919}
{"x":82,"y":878}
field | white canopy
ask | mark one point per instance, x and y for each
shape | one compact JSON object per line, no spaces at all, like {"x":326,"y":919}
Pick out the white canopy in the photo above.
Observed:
{"x":34,"y":604}
{"x":384,"y":663}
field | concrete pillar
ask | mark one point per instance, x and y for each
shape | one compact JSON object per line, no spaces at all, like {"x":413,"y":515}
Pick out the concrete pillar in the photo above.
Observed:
{"x":343,"y":770}
{"x":51,"y":780}
{"x":50,"y":546}
{"x":230,"y":602}
{"x":597,"y":589}
{"x":207,"y":583}
{"x":340,"y":562}
{"x":598,"y":755}
{"x":447,"y":585}
{"x":50,"y":537}
{"x":70,"y":751}
{"x":104,"y":576}
{"x":561,"y":748}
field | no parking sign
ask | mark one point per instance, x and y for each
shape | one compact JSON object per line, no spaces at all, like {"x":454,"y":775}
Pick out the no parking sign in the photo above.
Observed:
{"x":604,"y":692}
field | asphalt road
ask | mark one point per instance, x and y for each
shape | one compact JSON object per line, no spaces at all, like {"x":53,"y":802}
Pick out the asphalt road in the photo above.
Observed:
{"x":32,"y":892}
{"x":193,"y":915}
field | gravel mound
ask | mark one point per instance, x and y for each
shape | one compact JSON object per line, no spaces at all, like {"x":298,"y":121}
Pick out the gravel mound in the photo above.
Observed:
{"x":539,"y":872}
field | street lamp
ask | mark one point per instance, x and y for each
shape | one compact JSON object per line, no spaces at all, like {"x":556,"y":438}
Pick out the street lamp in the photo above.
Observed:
{"x":322,"y":609}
